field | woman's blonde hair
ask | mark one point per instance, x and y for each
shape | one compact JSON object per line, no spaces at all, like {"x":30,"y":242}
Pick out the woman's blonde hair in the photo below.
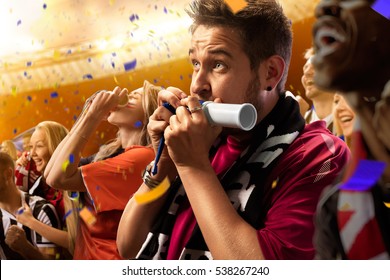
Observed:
{"x":72,"y":208}
{"x":149,"y":104}
{"x":9,"y":147}
{"x":54,"y":132}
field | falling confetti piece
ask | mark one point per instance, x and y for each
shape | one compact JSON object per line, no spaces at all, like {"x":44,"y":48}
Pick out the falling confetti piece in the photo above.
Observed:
{"x":74,"y":195}
{"x":382,"y":7}
{"x":133,"y":17}
{"x":56,"y":54}
{"x":67,"y":214}
{"x":236,"y":5}
{"x":19,"y":22}
{"x":130,"y":65}
{"x":13,"y":90}
{"x":116,"y":80}
{"x":87,"y":216}
{"x":275,"y":183}
{"x":138,"y":124}
{"x":44,"y":6}
{"x":154,"y":193}
{"x":50,"y":251}
{"x":54,"y":94}
{"x":88,"y":76}
{"x":71,"y":158}
{"x":65,"y":165}
{"x":28,"y":63}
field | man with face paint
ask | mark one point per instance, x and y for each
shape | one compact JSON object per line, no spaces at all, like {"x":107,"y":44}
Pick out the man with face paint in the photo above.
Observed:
{"x":352,"y":42}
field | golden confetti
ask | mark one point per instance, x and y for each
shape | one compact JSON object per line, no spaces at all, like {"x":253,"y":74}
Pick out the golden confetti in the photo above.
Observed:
{"x":87,"y":216}
{"x":154,"y":194}
{"x":345,"y":207}
{"x":65,"y":165}
{"x":275,"y":183}
{"x":50,"y":250}
{"x":56,"y":54}
{"x":13,"y":90}
{"x":236,"y":5}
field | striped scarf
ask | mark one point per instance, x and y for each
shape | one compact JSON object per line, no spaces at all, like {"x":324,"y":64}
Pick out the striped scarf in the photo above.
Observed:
{"x":243,"y":182}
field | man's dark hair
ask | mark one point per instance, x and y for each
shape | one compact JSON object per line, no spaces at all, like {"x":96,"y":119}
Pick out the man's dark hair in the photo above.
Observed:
{"x":262,"y":25}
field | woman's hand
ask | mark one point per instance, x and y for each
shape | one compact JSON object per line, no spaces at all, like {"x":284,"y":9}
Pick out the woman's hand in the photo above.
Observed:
{"x":23,"y":159}
{"x":24,"y":215}
{"x":106,"y":101}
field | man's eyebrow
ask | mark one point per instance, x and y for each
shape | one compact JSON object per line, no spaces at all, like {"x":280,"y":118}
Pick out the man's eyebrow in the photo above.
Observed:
{"x":216,"y":51}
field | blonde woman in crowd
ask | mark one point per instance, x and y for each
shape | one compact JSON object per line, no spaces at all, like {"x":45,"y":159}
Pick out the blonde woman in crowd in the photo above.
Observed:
{"x":30,"y":167}
{"x":9,"y":147}
{"x":107,"y":180}
{"x":46,"y":137}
